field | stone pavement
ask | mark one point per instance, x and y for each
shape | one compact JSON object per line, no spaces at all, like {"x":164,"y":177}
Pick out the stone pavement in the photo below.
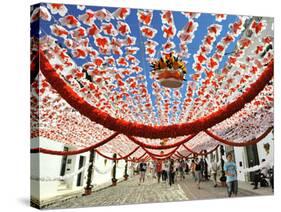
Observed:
{"x":129,"y":192}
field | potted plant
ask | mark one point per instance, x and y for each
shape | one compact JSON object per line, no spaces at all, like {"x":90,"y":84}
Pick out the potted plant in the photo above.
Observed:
{"x":114,"y":181}
{"x":88,"y":190}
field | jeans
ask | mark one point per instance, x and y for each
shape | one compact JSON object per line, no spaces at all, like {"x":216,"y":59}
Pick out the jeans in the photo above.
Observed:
{"x":159,"y":176}
{"x":164,"y":175}
{"x":232,"y":188}
{"x":171,"y":178}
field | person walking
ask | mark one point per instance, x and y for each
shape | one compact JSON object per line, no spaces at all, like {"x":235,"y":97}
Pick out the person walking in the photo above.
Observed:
{"x":198,"y":173}
{"x":192,"y":168}
{"x":202,"y":167}
{"x":142,"y":167}
{"x":231,"y":175}
{"x":136,"y":169}
{"x":149,"y":169}
{"x":214,"y":171}
{"x":131,"y":168}
{"x":186,"y":170}
{"x":177,"y":167}
{"x":181,"y":169}
{"x":158,"y":169}
{"x":206,"y":174}
{"x":153,"y":169}
{"x":165,"y":171}
{"x":172,"y":171}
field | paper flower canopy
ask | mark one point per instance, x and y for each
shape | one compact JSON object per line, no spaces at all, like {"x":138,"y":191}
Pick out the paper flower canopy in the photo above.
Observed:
{"x":92,"y":83}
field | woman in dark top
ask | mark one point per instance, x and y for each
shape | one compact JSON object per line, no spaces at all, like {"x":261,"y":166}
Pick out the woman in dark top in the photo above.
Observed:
{"x":172,"y":171}
{"x":142,"y":167}
{"x":198,"y":172}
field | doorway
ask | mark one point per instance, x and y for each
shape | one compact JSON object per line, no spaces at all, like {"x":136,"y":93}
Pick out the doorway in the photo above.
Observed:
{"x":63,"y":163}
{"x":252,"y":158}
{"x":79,"y":176}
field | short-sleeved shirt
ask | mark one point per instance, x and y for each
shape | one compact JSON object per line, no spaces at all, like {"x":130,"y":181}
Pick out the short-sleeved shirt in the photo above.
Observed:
{"x":230,"y":167}
{"x":159,"y":167}
{"x":143,"y":167}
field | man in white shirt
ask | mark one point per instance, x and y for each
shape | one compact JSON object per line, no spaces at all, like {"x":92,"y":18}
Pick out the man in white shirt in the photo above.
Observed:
{"x":214,"y":171}
{"x":264,"y":167}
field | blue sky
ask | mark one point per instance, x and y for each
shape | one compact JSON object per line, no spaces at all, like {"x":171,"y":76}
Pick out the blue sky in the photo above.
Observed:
{"x":180,"y":20}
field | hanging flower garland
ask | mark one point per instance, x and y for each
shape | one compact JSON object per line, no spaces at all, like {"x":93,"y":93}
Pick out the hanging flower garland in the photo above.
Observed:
{"x":182,"y":156}
{"x":73,"y":152}
{"x":167,"y":146}
{"x":137,"y":159}
{"x":120,"y":158}
{"x":153,"y":155}
{"x":98,"y":170}
{"x":142,"y":130}
{"x":161,"y":154}
{"x":232,"y":143}
{"x":200,"y":153}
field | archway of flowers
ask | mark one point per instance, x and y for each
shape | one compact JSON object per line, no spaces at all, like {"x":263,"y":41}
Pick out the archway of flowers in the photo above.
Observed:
{"x":91,"y":87}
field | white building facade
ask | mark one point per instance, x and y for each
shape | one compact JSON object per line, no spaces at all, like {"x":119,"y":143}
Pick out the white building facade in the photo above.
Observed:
{"x":53,"y":176}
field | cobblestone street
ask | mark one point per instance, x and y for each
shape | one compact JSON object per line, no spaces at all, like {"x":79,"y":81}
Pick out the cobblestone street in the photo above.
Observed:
{"x":129,"y":192}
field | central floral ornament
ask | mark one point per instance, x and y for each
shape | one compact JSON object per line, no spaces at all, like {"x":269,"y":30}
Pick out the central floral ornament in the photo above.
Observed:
{"x":169,"y":70}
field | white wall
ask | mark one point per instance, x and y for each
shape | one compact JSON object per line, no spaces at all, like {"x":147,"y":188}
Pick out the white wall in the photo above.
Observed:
{"x":44,"y":165}
{"x":105,"y":178}
{"x":120,"y":169}
{"x":240,"y":156}
{"x":74,"y":166}
{"x":102,"y":165}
